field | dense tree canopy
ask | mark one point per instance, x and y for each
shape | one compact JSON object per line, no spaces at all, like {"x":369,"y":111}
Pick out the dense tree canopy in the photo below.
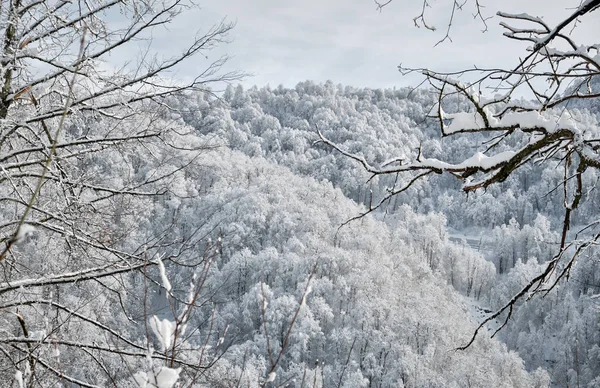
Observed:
{"x":515,"y":224}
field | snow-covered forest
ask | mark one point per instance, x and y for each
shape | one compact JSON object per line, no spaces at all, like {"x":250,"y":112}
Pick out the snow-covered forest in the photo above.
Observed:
{"x":160,"y":234}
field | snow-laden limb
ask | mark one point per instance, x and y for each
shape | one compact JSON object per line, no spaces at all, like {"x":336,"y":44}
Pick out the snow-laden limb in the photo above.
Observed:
{"x":535,"y":120}
{"x":493,"y":169}
{"x":162,"y":377}
{"x":19,"y":379}
{"x":462,"y":121}
{"x":305,"y":295}
{"x":24,"y":231}
{"x":271,"y":377}
{"x":524,"y":16}
{"x":71,"y":277}
{"x":164,"y":330}
{"x":163,"y":275}
{"x":358,"y":158}
{"x":478,"y":161}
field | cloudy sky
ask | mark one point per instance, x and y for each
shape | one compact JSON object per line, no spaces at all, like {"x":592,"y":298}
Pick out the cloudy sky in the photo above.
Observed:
{"x":351,"y":42}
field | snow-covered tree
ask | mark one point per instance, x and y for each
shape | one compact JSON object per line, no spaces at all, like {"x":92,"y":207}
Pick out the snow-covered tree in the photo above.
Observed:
{"x":93,"y":181}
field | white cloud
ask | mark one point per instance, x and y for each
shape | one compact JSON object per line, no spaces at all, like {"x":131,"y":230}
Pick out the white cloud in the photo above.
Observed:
{"x":350,"y":42}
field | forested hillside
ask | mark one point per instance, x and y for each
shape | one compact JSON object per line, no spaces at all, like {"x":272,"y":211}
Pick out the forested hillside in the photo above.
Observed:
{"x":281,"y":125}
{"x":377,"y":313}
{"x":514,"y":225}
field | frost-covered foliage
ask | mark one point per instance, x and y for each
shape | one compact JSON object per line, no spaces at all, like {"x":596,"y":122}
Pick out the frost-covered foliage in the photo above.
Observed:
{"x":281,"y":124}
{"x":379,"y":312}
{"x":516,"y":223}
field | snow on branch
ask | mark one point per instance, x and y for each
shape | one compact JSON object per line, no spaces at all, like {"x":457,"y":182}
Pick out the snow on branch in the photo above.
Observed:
{"x":495,"y":168}
{"x":72,"y":277}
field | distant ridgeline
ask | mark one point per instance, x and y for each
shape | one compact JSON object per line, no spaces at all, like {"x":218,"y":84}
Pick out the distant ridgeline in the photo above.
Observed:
{"x":280,"y":124}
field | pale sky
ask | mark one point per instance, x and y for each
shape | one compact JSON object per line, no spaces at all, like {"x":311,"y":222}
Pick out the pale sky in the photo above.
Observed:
{"x":351,"y":42}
